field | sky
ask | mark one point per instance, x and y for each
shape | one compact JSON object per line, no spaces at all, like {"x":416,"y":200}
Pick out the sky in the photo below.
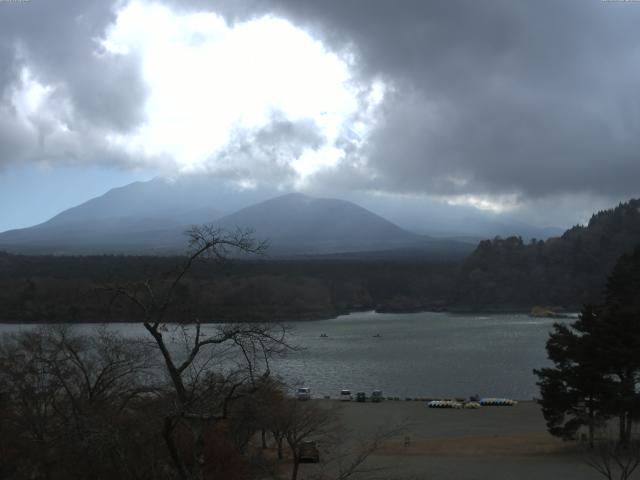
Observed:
{"x":523,"y":108}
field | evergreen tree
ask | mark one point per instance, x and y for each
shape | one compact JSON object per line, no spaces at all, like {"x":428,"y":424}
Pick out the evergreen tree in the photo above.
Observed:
{"x":619,"y":341}
{"x":597,"y":361}
{"x":574,"y":393}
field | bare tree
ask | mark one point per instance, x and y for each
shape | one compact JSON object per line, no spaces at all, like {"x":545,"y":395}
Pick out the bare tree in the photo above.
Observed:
{"x":295,"y":422}
{"x":68,"y":401}
{"x":201,"y":388}
{"x":614,"y":461}
{"x":29,"y":393}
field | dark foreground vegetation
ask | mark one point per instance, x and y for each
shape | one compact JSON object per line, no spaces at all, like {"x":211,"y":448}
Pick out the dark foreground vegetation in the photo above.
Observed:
{"x":501,"y":275}
{"x":74,"y":406}
{"x":180,"y":403}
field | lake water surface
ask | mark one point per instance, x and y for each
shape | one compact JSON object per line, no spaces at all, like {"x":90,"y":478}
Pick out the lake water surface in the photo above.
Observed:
{"x":419,"y":354}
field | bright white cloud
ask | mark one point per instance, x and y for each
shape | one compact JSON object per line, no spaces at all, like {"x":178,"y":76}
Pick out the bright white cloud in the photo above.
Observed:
{"x":208,"y":81}
{"x":38,"y":117}
{"x":494,"y":203}
{"x":312,"y":161}
{"x":29,"y":96}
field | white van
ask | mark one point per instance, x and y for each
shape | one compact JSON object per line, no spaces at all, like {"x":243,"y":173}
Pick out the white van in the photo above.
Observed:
{"x":345,"y":395}
{"x":303,"y":393}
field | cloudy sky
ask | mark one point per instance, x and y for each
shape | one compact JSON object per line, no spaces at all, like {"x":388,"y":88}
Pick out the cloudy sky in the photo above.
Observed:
{"x":527,"y":108}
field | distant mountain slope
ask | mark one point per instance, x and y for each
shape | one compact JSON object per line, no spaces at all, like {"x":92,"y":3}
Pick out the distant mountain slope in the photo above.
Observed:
{"x":186,"y":198}
{"x":293,"y":224}
{"x":149,"y":217}
{"x":118,"y":235}
{"x":151,"y":199}
{"x":296,"y":224}
{"x":570,"y":270}
{"x":133,"y":218}
{"x":142,"y":217}
{"x":299,"y":219}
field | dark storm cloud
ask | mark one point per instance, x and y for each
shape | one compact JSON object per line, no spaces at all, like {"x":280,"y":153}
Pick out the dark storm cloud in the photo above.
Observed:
{"x":296,"y":136}
{"x":533,"y":98}
{"x":94,"y":93}
{"x":8,"y":65}
{"x":264,"y":155}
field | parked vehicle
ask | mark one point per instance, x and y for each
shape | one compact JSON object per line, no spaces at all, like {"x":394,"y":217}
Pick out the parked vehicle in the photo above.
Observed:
{"x":308,"y":452}
{"x":376,"y":396}
{"x":303,"y":393}
{"x":345,"y":395}
{"x":361,"y":397}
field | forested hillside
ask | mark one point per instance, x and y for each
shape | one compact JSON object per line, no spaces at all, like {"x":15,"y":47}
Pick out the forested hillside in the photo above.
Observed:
{"x":567,"y":271}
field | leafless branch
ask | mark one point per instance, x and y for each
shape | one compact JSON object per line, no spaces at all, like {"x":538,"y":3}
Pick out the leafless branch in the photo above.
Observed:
{"x":614,"y":461}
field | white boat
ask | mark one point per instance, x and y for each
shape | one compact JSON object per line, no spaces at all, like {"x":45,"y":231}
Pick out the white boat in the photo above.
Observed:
{"x":444,"y":404}
{"x":497,"y":402}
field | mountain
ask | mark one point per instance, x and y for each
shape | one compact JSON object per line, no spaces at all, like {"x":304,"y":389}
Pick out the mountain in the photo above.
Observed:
{"x":297,"y":223}
{"x":293,"y":224}
{"x":142,"y":217}
{"x":113,"y":235}
{"x":150,"y":217}
{"x":569,"y":270}
{"x":197,"y":199}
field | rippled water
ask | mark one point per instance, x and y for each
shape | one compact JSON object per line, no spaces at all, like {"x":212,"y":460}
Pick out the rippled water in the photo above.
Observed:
{"x":421,"y":354}
{"x":418,"y":354}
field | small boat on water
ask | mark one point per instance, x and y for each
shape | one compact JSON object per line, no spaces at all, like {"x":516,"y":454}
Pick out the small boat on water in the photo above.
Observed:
{"x":323,"y":335}
{"x":377,"y":335}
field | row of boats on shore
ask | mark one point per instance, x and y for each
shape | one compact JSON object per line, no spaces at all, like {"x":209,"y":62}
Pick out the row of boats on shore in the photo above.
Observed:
{"x":324,"y":335}
{"x":473,"y":403}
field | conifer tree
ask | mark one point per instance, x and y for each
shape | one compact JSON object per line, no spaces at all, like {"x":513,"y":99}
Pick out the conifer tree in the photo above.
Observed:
{"x":596,"y":359}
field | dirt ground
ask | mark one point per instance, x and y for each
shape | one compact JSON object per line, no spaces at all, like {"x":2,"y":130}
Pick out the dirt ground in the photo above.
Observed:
{"x":498,"y":443}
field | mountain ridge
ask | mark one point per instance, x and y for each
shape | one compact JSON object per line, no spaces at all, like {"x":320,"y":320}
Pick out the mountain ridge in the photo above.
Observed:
{"x":172,"y":198}
{"x":293,"y":224}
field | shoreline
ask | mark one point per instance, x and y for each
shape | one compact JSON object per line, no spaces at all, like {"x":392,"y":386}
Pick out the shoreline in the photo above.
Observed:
{"x":570,"y":313}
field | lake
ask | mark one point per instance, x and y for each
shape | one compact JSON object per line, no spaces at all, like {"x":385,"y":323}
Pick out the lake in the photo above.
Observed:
{"x":415,"y":355}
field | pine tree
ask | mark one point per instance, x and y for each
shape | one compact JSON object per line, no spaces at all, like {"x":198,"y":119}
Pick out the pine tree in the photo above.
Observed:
{"x":597,"y":361}
{"x":574,"y":393}
{"x":619,"y":341}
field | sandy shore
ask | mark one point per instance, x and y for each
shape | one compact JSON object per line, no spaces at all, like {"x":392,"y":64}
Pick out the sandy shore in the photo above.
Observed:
{"x":488,"y":443}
